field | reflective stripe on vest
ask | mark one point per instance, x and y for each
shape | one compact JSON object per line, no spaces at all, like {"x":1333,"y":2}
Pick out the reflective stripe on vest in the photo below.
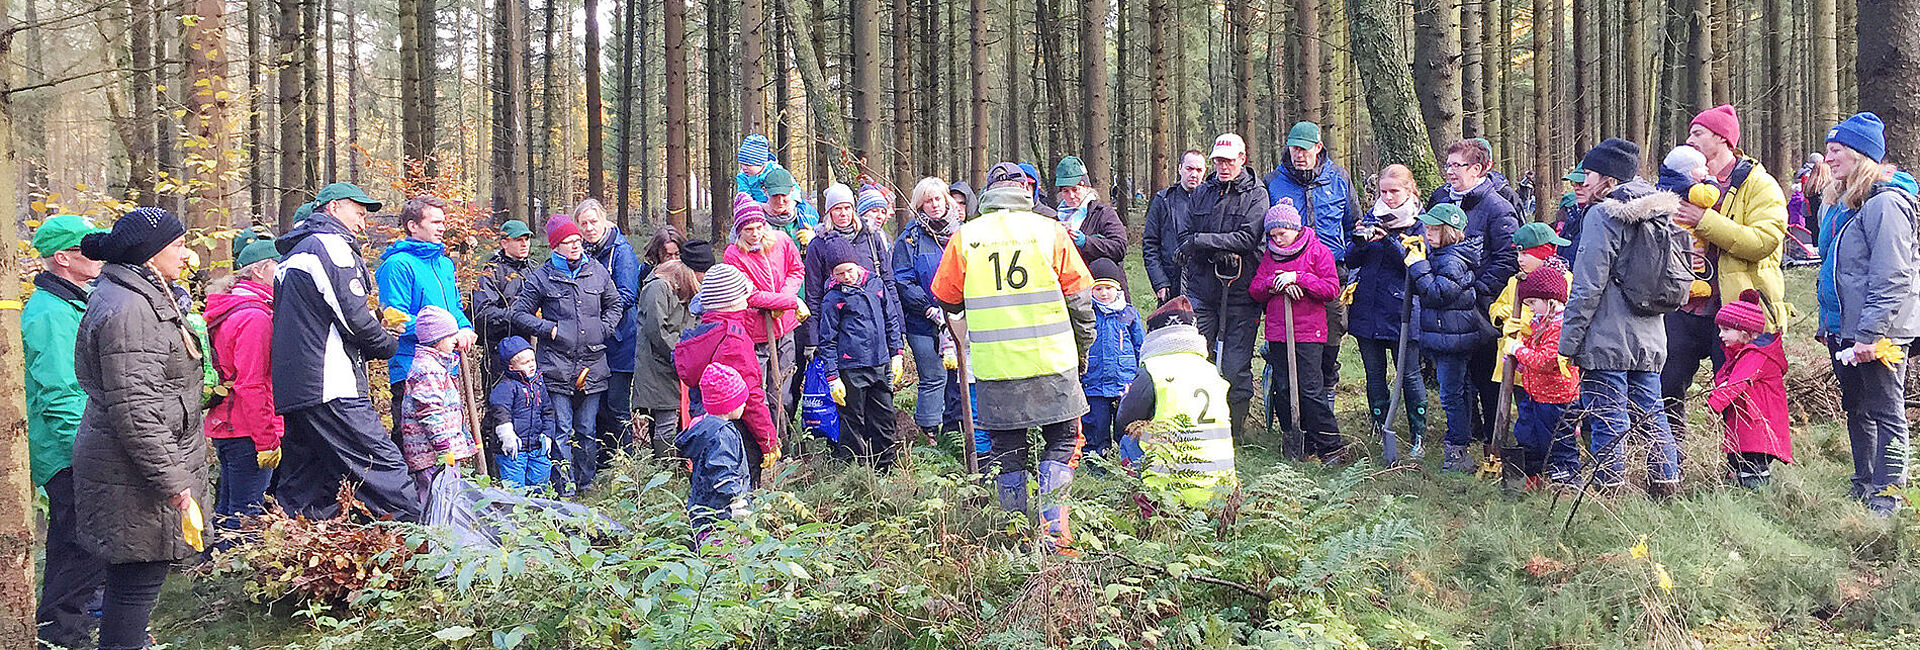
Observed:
{"x":1017,"y":323}
{"x":1190,"y":406}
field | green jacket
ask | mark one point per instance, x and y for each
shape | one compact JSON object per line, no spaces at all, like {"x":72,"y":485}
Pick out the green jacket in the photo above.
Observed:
{"x":49,"y":324}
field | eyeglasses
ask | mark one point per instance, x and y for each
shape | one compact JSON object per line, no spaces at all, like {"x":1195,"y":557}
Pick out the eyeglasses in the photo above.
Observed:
{"x":1453,"y":165}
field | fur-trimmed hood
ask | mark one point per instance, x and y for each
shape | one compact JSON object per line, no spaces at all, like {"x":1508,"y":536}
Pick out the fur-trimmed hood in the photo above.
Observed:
{"x":1637,"y":201}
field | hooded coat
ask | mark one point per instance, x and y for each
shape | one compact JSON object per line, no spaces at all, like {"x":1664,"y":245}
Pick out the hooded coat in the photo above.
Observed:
{"x":571,"y":308}
{"x":1746,"y":232}
{"x":721,"y":337}
{"x":1601,"y":331}
{"x":966,"y":192}
{"x":1114,"y":359}
{"x":323,"y":330}
{"x":1492,"y":219}
{"x":1750,"y":391}
{"x":1102,"y":235}
{"x":140,"y":440}
{"x":616,"y":256}
{"x":48,"y":326}
{"x":240,"y":323}
{"x":1450,"y":317}
{"x":523,"y":401}
{"x":777,"y":275}
{"x":414,"y":275}
{"x":662,"y":318}
{"x":1873,"y":289}
{"x":867,"y":239}
{"x":859,"y":326}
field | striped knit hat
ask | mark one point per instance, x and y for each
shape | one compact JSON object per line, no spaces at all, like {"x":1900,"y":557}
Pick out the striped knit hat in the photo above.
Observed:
{"x":755,"y":150}
{"x":1744,"y":314}
{"x":871,"y":198}
{"x":724,"y":285}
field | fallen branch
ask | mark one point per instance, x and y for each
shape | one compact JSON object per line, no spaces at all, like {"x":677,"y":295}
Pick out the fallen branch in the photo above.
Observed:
{"x":1206,"y":579}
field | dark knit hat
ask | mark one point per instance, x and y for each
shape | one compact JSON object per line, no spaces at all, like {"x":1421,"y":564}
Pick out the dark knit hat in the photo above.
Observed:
{"x":1614,"y":158}
{"x":135,"y":238}
{"x":1744,"y":314}
{"x":1543,"y":282}
{"x":1105,"y":271}
{"x":1177,"y":311}
{"x":697,"y":254}
{"x":835,"y":251}
{"x":511,"y":346}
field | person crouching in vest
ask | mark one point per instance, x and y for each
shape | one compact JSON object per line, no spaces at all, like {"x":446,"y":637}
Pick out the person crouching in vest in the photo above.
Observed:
{"x":1187,"y":449}
{"x":1028,"y":300}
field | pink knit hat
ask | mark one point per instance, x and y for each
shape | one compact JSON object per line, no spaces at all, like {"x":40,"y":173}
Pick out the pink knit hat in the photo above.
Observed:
{"x":1744,"y":314}
{"x":434,"y":323}
{"x":722,"y":390}
{"x":1723,"y":121}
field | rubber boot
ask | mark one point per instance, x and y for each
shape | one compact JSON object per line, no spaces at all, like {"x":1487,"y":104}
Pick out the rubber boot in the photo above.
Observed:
{"x":1417,"y":429}
{"x":1011,"y":487}
{"x":1055,"y":476}
{"x":1240,"y":412}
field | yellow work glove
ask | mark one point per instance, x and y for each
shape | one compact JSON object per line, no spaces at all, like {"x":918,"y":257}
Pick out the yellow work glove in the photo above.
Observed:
{"x":801,"y":312}
{"x":1346,"y":293}
{"x":1415,"y":255}
{"x":950,"y":360}
{"x":899,"y":367}
{"x":838,"y":390}
{"x":771,"y":457}
{"x":192,"y":523}
{"x":1416,"y":248}
{"x":804,"y":236}
{"x":1888,"y":353}
{"x":394,"y":319}
{"x":1699,"y":289}
{"x":269,"y":459}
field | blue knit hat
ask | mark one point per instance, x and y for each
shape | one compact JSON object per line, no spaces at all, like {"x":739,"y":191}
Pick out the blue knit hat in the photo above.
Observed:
{"x":511,"y":346}
{"x":755,"y":150}
{"x":1863,"y":132}
{"x":871,"y":198}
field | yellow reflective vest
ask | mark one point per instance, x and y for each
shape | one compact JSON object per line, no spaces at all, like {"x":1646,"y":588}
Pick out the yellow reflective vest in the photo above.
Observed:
{"x":1017,"y":321}
{"x":1191,"y":448}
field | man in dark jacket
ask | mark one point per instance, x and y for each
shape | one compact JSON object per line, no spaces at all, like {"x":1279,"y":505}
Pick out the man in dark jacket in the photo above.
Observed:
{"x":571,"y":306}
{"x":502,"y":278}
{"x":1491,"y":219}
{"x":1166,"y":217}
{"x":1326,"y":195}
{"x":1221,"y":247}
{"x":323,"y":334}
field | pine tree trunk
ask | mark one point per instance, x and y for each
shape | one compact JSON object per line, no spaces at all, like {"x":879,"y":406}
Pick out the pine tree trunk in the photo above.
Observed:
{"x":310,"y":73}
{"x":1699,"y":57}
{"x":829,"y":129}
{"x":927,"y":94}
{"x":258,"y":171}
{"x":977,"y":109}
{"x":903,"y":108}
{"x":624,"y":176}
{"x":865,"y":44}
{"x":1306,"y":18}
{"x":1586,"y":50}
{"x":1398,"y":131}
{"x":1638,"y":72}
{"x":1095,"y":125}
{"x":1046,"y":20}
{"x":1824,"y":39}
{"x":1011,"y":126}
{"x":415,"y":110}
{"x":510,"y":93}
{"x":645,"y":17}
{"x":1542,"y":89}
{"x":294,"y":188}
{"x":1889,"y":72}
{"x":1241,"y":31}
{"x":142,"y":156}
{"x":353,"y":89}
{"x":722,"y":145}
{"x":17,"y":500}
{"x":333,"y":127}
{"x":1779,"y":104}
{"x":674,"y":34}
{"x":207,"y":120}
{"x":1436,"y":69}
{"x":596,"y":107}
{"x":169,"y":56}
{"x":548,"y":190}
{"x":1472,"y":68}
{"x":1161,"y":30}
{"x":753,"y":67}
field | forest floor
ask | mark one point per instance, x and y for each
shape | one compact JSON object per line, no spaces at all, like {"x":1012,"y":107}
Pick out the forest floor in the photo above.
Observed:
{"x":1792,"y":565}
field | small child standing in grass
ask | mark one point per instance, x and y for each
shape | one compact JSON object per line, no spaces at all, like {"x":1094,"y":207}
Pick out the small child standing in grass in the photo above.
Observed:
{"x":1750,"y":391}
{"x":861,"y":345}
{"x":718,"y":486}
{"x":1114,"y":358}
{"x":1553,"y":383}
{"x":1443,"y":264}
{"x":432,"y":421}
{"x":1296,"y":268}
{"x":527,"y":426}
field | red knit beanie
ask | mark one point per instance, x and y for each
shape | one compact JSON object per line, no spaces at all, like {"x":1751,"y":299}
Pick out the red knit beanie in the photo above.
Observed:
{"x":1543,"y":282}
{"x":1744,"y":314}
{"x":1721,"y":120}
{"x":721,"y":389}
{"x":559,"y":228}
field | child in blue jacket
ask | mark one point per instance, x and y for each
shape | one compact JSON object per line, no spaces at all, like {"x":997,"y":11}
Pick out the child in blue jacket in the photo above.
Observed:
{"x":527,"y":428}
{"x":1114,"y":359}
{"x":861,"y":346}
{"x":717,"y":488}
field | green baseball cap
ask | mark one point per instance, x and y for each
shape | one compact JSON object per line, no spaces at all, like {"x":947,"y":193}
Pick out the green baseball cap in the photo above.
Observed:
{"x":515,"y":229}
{"x":779,"y":182}
{"x":1537,"y":234}
{"x":247,"y":236}
{"x":259,"y":249}
{"x":1069,"y":172}
{"x":61,"y":233}
{"x":1303,"y":135}
{"x":1576,"y":175}
{"x":337,"y":191}
{"x":1445,"y":214}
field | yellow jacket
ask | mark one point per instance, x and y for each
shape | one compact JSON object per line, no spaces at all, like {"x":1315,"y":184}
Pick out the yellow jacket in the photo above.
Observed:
{"x":1513,"y":327}
{"x":1747,"y":229}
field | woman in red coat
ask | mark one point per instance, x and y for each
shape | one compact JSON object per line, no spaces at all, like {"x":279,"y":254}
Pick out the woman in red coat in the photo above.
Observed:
{"x":1750,"y":392}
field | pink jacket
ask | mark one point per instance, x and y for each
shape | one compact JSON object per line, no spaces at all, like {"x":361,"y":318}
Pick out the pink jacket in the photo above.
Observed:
{"x":721,"y":337}
{"x":1750,"y":391}
{"x":1318,"y":281}
{"x":241,"y":326}
{"x":777,"y":275}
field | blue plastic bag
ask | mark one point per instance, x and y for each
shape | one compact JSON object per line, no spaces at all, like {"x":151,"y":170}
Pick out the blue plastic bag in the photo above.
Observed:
{"x":818,"y":414}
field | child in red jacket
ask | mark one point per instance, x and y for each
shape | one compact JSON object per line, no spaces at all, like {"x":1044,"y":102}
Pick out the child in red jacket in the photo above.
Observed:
{"x":1553,"y":383}
{"x":1750,"y":391}
{"x":721,"y":337}
{"x":1295,"y":267}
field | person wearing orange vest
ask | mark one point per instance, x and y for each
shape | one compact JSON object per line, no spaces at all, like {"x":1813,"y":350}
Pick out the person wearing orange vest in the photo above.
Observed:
{"x":1028,"y":301}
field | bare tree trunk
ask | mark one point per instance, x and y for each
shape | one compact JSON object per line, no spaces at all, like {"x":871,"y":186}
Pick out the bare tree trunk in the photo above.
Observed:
{"x":828,"y":127}
{"x":596,"y":107}
{"x":1585,"y":52}
{"x":1398,"y":131}
{"x":16,"y":479}
{"x":293,"y":149}
{"x":143,"y":160}
{"x":511,"y":178}
{"x":258,"y":172}
{"x":333,"y":131}
{"x":628,"y":41}
{"x":1699,"y":59}
{"x":721,"y":142}
{"x":865,"y":44}
{"x":1046,"y":19}
{"x":1011,"y":126}
{"x":1436,"y":69}
{"x":416,"y":121}
{"x":1638,"y":72}
{"x":1161,"y":30}
{"x":977,"y":111}
{"x":1093,"y":83}
{"x":753,"y":67}
{"x":1241,"y":31}
{"x":548,"y":188}
{"x":1889,"y":72}
{"x":1824,"y":38}
{"x":1308,"y":32}
{"x":310,"y":73}
{"x":353,"y":89}
{"x":646,"y":113}
{"x":1542,"y":90}
{"x":903,"y":109}
{"x":674,"y":34}
{"x":1472,"y":69}
{"x":207,"y":119}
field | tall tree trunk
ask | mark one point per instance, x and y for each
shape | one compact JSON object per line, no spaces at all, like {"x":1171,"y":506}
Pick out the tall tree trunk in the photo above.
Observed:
{"x":828,"y":126}
{"x":1510,"y":136}
{"x":353,"y":88}
{"x":294,"y":188}
{"x":927,"y":94}
{"x":1399,"y":133}
{"x":903,"y":109}
{"x":511,"y":179}
{"x":1889,"y":71}
{"x":259,"y":174}
{"x":977,"y":110}
{"x":207,"y":120}
{"x":1778,"y":149}
{"x":1120,"y":139}
{"x":1046,"y":23}
{"x":865,"y":44}
{"x":1436,"y":69}
{"x":333,"y":130}
{"x":1011,"y":126}
{"x":646,"y":113}
{"x":1699,"y":59}
{"x":753,"y":67}
{"x":722,"y":144}
{"x":1095,"y":124}
{"x":1822,"y":71}
{"x":1540,"y":22}
{"x":143,"y":160}
{"x":596,"y":107}
{"x":1472,"y":68}
{"x":16,"y":485}
{"x":1586,"y":50}
{"x":1638,"y":72}
{"x":1240,"y":14}
{"x":1161,"y":30}
{"x":1307,"y":34}
{"x":416,"y":116}
{"x":310,"y":73}
{"x":674,"y":34}
{"x":628,"y":41}
{"x":548,"y":190}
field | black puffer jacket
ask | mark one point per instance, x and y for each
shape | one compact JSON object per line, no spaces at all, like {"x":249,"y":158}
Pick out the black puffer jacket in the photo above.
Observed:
{"x":139,"y":441}
{"x":1166,"y":219}
{"x":320,"y":295}
{"x":570,"y":314}
{"x":1450,"y":317}
{"x":1224,"y":219}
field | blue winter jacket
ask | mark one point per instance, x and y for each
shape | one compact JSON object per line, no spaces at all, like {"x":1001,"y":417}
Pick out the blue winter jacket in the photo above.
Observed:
{"x":916,"y":256}
{"x":1491,"y":219}
{"x":1832,"y":219}
{"x":1114,"y":359}
{"x":414,"y":274}
{"x":859,"y":328}
{"x":524,"y":401}
{"x":1450,"y":317}
{"x":1330,"y":198}
{"x":614,"y":253}
{"x":719,"y":462}
{"x":1380,"y":272}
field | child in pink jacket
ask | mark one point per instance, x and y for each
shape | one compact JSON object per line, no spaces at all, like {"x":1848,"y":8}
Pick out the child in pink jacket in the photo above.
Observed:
{"x":721,"y":337}
{"x":1295,"y":267}
{"x":1750,"y":391}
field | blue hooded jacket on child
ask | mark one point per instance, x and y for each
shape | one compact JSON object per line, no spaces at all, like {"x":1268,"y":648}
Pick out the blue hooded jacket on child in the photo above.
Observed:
{"x":1114,"y":359}
{"x":522,"y":400}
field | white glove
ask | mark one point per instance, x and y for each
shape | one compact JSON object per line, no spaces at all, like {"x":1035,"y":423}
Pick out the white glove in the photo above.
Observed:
{"x":1285,"y":278}
{"x":546,"y":445}
{"x":1846,"y":357}
{"x":509,"y":443}
{"x":933,"y":314}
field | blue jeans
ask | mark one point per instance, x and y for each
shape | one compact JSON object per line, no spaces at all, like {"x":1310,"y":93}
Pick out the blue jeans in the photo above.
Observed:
{"x":1097,"y":424}
{"x":1618,"y":402}
{"x":1874,"y":397}
{"x":615,"y":419}
{"x":243,"y":482}
{"x":938,"y":401}
{"x":531,"y":468}
{"x":578,"y":444}
{"x":1546,"y":431}
{"x":1450,"y":370}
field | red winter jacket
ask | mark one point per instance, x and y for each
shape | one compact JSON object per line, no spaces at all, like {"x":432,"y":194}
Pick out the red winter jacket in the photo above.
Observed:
{"x":1318,"y":283}
{"x":1541,"y":366}
{"x":1751,"y":392}
{"x":721,"y":337}
{"x":777,"y":276}
{"x":241,"y":325}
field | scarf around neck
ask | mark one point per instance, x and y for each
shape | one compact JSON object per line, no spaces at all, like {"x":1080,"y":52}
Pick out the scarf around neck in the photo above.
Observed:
{"x":1396,"y":218}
